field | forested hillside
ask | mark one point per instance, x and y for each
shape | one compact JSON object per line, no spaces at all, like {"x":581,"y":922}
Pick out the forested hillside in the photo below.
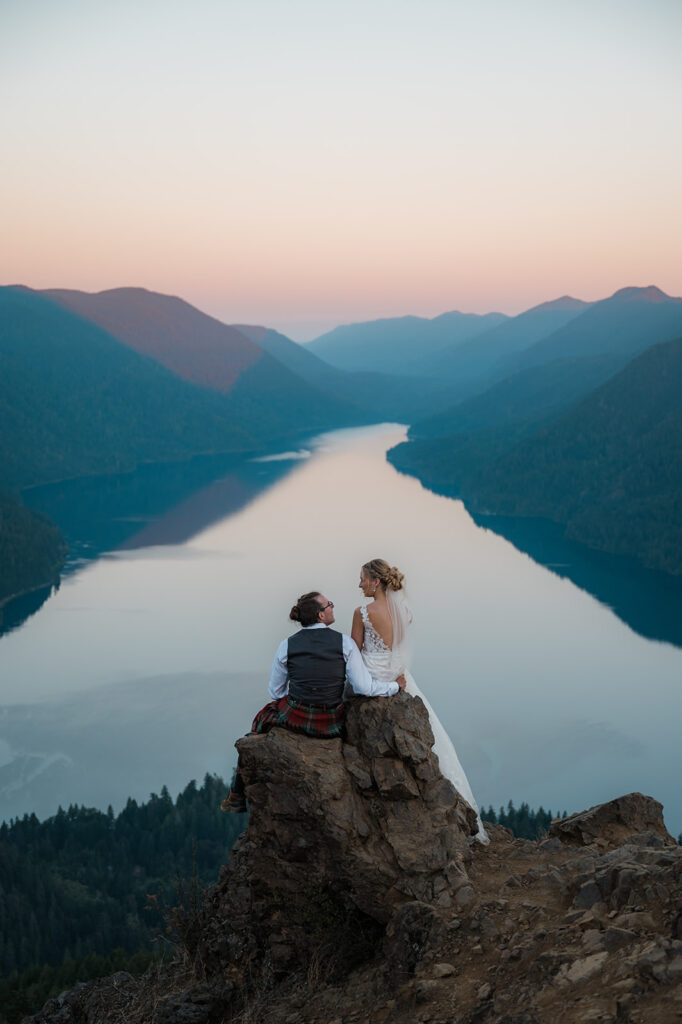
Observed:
{"x":101,"y":384}
{"x":610,"y":470}
{"x":81,"y":881}
{"x":74,"y":401}
{"x":628,"y":322}
{"x":262,"y":394}
{"x":86,"y":893}
{"x":477,"y":358}
{"x":32,"y":549}
{"x":523,"y":399}
{"x":451,"y":448}
{"x":376,"y":395}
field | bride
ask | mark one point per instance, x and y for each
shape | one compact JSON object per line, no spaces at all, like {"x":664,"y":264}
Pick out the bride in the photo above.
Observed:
{"x":381,"y":631}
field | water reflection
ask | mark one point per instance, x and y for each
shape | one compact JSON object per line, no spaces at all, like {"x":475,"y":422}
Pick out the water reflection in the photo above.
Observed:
{"x":164,"y":505}
{"x":17,"y":611}
{"x":161,"y":653}
{"x":158,"y":504}
{"x":649,"y":602}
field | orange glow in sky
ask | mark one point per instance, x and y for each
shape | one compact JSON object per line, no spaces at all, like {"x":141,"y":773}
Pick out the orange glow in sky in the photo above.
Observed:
{"x":307,"y":164}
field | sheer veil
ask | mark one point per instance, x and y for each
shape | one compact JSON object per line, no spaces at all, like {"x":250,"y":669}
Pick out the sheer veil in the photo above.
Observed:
{"x":401,"y":620}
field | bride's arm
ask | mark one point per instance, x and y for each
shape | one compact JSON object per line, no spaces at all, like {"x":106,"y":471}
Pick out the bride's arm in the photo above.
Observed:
{"x":358,"y":629}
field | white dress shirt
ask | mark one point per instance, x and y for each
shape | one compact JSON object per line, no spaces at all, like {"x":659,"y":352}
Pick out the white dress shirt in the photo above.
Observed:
{"x":357,"y":672}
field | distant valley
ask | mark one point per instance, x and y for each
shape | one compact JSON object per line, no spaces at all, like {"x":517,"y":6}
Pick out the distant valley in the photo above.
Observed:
{"x":584,"y":430}
{"x":569,"y":411}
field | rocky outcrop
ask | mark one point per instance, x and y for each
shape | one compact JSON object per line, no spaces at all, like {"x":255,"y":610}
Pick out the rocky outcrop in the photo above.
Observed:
{"x":373,"y":815}
{"x":355,"y":828}
{"x":609,"y":825}
{"x":356,"y":897}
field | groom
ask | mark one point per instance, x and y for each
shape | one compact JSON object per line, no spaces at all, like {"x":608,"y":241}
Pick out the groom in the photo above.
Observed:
{"x":307,"y":681}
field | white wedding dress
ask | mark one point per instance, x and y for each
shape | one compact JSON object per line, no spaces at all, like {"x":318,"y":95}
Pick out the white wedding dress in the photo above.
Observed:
{"x":385,"y":663}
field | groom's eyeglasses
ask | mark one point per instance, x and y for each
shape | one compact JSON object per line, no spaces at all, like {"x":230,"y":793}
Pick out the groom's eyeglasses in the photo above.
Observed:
{"x":329,"y":604}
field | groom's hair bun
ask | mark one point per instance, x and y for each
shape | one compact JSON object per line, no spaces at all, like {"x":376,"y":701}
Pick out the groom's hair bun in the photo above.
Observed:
{"x":306,"y":609}
{"x":390,"y":577}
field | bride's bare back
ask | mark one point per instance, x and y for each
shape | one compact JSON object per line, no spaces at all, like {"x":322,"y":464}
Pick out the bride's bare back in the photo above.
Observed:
{"x":377,"y":612}
{"x":381,"y":622}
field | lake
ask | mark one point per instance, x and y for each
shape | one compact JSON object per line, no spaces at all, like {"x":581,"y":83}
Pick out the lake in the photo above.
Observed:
{"x":154,"y":653}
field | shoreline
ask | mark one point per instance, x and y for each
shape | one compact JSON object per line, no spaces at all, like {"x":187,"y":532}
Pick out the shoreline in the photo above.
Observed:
{"x":31,"y":590}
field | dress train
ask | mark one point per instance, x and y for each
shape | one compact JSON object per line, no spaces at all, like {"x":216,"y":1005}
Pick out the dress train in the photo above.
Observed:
{"x":382,"y":665}
{"x":448,"y":761}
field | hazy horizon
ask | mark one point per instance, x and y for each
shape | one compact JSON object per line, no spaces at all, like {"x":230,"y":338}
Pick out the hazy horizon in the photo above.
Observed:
{"x":306,"y":331}
{"x":312,"y":165}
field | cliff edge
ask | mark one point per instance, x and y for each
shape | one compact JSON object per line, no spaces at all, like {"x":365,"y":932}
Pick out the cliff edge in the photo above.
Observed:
{"x":356,"y":896}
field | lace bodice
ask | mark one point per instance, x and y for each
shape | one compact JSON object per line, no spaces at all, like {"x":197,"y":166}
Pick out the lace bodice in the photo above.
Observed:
{"x":372,"y":642}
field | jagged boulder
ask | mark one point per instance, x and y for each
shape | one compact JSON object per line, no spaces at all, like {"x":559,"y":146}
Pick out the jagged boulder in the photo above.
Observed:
{"x":369,"y":821}
{"x":611,"y":824}
{"x":372,"y":815}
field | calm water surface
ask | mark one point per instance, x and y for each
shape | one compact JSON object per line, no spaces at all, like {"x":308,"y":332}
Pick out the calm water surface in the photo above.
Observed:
{"x":148,"y":662}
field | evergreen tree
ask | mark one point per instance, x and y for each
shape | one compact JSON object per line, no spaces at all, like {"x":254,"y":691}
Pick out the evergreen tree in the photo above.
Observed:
{"x":523,"y":822}
{"x":85,"y":882}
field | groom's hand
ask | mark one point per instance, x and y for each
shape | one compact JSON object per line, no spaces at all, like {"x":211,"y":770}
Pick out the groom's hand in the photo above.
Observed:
{"x":401,"y":681}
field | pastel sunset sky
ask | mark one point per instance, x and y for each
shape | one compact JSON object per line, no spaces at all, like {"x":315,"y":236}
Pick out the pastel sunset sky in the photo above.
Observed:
{"x":312,"y":162}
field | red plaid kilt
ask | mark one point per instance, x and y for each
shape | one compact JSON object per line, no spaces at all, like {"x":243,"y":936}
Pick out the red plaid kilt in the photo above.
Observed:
{"x":322,"y":721}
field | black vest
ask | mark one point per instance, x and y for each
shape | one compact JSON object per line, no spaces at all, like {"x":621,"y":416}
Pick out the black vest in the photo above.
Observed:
{"x":316,"y":666}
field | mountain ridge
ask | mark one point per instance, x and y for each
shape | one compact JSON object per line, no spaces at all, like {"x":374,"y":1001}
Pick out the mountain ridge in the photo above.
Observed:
{"x":628,"y":321}
{"x":391,"y":344}
{"x":159,"y":326}
{"x":647,"y":293}
{"x":265,"y":396}
{"x":376,"y":395}
{"x":609,"y":469}
{"x":471,"y":366}
{"x":75,"y":401}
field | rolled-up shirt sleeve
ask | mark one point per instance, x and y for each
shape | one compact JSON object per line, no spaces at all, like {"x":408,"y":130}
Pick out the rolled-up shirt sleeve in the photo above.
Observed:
{"x":279,"y":674}
{"x":358,"y":674}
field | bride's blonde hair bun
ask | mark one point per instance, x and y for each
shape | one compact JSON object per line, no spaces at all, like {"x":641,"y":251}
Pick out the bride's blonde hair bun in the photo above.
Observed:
{"x":390,"y":577}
